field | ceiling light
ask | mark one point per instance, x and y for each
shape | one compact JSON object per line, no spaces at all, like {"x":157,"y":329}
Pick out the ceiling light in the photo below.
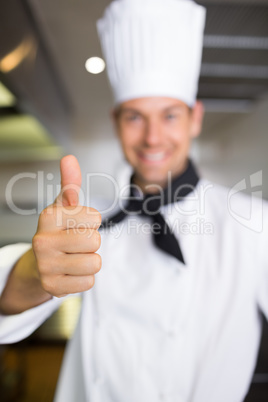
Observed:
{"x":95,"y":65}
{"x":12,"y":60}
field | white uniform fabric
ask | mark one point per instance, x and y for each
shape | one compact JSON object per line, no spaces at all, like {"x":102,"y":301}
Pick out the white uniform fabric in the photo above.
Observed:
{"x":153,"y":329}
{"x":17,"y":327}
{"x":153,"y":48}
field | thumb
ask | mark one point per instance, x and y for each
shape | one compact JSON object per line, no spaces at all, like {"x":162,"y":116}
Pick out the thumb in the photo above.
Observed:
{"x":70,"y":182}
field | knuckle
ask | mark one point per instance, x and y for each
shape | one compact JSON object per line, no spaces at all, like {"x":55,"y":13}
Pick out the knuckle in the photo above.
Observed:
{"x":95,"y":240}
{"x":43,"y":242}
{"x":46,"y":214}
{"x":89,"y":281}
{"x":52,"y":217}
{"x":42,"y":268}
{"x":48,"y":284}
{"x":92,"y":211}
{"x":96,"y":216}
{"x":97,"y":262}
{"x":48,"y":211}
{"x":38,"y":242}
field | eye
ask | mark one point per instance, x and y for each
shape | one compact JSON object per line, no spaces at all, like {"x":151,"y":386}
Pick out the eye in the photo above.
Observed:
{"x":133,"y":117}
{"x":171,"y":116}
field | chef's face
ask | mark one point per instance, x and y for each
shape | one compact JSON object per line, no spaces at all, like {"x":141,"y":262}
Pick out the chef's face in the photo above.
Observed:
{"x":155,"y":134}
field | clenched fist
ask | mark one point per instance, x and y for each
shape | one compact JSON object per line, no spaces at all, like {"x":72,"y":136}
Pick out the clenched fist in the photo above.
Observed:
{"x":67,"y":238}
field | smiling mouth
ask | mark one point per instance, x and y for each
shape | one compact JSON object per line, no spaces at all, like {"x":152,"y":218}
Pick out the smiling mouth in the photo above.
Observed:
{"x":153,"y":157}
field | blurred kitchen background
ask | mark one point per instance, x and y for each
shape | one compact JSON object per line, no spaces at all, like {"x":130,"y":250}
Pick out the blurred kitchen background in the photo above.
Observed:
{"x":50,"y":105}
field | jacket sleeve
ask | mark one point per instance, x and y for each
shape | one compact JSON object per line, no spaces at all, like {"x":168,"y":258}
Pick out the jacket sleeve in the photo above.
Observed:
{"x":262,"y":291}
{"x":14,"y":328}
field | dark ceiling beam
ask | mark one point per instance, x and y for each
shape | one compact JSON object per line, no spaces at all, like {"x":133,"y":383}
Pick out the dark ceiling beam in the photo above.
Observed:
{"x":234,"y":71}
{"x":236,"y":42}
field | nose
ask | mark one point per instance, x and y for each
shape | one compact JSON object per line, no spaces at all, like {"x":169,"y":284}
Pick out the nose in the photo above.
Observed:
{"x":152,"y":133}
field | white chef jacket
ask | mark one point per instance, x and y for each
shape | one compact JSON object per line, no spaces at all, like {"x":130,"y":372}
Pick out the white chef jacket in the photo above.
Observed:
{"x":153,"y":329}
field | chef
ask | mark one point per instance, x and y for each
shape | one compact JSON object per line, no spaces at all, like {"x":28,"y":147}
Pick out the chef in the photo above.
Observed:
{"x":174,"y":313}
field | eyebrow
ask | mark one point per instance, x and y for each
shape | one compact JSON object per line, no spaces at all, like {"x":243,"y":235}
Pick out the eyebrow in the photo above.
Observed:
{"x":172,"y":107}
{"x":121,"y":110}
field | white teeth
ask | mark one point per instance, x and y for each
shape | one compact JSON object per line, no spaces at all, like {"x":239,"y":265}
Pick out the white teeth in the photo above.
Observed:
{"x":154,"y":157}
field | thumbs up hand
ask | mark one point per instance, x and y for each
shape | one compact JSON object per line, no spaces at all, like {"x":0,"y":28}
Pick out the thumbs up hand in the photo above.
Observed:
{"x":67,"y":238}
{"x":70,"y":182}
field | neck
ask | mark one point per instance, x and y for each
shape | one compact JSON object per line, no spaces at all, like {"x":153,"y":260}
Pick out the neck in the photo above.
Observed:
{"x":148,"y":187}
{"x":156,"y":187}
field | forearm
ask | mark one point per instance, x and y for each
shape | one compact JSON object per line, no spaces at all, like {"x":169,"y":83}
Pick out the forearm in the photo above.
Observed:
{"x":23,"y":289}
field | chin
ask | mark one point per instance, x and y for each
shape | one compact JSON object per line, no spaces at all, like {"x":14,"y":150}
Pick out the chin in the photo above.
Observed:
{"x":154,"y":177}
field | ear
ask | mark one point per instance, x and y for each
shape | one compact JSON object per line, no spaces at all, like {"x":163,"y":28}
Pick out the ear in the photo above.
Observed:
{"x":197,"y":119}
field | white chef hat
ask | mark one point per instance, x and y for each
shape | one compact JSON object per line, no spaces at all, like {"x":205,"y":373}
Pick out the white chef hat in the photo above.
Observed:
{"x":153,"y":48}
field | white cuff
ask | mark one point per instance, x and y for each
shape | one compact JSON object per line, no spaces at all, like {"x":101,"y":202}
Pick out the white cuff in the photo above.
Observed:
{"x":16,"y":327}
